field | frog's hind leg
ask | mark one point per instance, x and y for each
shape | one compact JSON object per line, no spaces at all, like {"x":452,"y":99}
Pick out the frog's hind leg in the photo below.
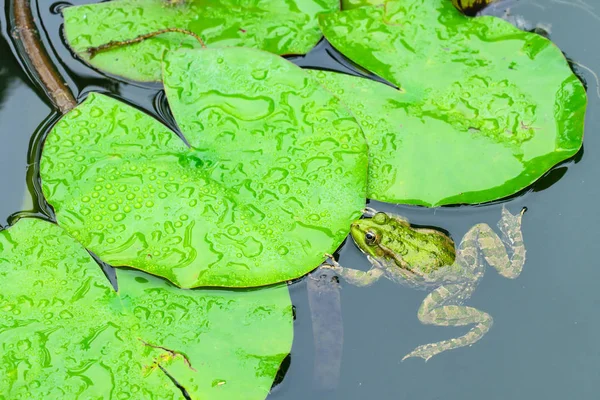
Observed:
{"x":496,"y":249}
{"x":442,"y":307}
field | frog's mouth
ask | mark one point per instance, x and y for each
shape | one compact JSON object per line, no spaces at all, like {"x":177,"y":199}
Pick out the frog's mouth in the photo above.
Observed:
{"x":358,"y":237}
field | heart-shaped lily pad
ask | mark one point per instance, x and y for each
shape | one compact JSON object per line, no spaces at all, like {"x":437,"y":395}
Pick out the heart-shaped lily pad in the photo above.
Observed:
{"x":483,"y":109}
{"x":65,"y":332}
{"x":280,"y":27}
{"x":275,"y":175}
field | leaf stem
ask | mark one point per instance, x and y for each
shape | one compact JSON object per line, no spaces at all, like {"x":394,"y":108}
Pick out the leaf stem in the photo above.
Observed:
{"x":44,"y":72}
{"x":93,"y":51}
{"x":173,"y":353}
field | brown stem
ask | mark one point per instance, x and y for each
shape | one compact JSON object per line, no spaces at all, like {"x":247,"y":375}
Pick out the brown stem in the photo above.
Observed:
{"x":173,"y":353}
{"x":51,"y":82}
{"x":119,"y":43}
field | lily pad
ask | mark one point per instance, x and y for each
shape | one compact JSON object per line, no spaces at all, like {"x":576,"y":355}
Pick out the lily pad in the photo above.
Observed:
{"x":350,"y":4}
{"x":482,"y":111}
{"x":65,"y":332}
{"x":280,"y":27}
{"x":275,"y":174}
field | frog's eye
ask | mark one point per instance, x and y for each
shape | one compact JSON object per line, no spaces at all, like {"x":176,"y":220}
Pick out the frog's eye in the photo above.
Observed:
{"x":380,"y":218}
{"x":370,"y":237}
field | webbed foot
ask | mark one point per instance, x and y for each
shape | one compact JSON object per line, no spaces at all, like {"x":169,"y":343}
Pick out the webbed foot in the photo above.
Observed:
{"x":441,"y":308}
{"x":334,"y":264}
{"x":425,"y":351}
{"x":512,"y":236}
{"x":353,"y":276}
{"x":510,"y":224}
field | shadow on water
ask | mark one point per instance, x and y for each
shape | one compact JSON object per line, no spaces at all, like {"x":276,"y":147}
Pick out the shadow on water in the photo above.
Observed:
{"x":8,"y":72}
{"x":544,"y":343}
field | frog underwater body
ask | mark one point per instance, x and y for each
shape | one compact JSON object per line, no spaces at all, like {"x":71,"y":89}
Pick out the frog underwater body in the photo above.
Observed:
{"x":427,"y":259}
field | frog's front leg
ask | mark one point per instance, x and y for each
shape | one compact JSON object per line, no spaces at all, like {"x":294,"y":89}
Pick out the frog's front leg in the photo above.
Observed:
{"x":369,"y":212}
{"x":441,"y":307}
{"x":354,"y":276}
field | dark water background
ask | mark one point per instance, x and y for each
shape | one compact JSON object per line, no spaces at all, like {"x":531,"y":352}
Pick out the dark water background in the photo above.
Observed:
{"x":545,"y":342}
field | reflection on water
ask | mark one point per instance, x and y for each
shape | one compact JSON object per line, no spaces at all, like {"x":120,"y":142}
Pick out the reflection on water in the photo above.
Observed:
{"x":7,"y":72}
{"x":544,"y":340}
{"x":21,"y":112}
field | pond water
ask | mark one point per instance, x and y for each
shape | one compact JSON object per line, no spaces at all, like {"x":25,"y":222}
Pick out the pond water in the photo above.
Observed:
{"x":544,"y":342}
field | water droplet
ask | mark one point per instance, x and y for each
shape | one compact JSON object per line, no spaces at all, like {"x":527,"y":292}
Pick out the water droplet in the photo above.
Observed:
{"x":259,"y":74}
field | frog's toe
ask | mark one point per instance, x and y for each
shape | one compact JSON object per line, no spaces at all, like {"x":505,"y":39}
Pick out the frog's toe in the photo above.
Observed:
{"x":425,"y":352}
{"x":334,"y":264}
{"x":512,"y":218}
{"x":369,"y":212}
{"x":510,"y":224}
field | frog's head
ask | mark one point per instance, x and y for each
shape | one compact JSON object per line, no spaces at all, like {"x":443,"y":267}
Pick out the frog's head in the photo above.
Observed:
{"x":391,"y":237}
{"x":369,"y":232}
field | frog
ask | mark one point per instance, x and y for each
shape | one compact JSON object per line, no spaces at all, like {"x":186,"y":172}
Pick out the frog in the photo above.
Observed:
{"x":427,"y":258}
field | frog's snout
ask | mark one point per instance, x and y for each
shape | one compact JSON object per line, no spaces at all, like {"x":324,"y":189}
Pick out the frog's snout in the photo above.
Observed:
{"x":355,"y":230}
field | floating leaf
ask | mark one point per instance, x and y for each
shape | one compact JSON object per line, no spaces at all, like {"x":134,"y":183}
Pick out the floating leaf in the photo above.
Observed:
{"x":65,"y":332}
{"x":350,"y":4}
{"x":280,"y":27}
{"x":275,"y":175}
{"x":483,"y":109}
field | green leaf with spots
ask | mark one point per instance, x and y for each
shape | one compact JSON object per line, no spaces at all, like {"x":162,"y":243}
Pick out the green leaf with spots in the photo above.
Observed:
{"x":482,"y":111}
{"x":280,"y":27}
{"x":65,"y":332}
{"x":275,"y":174}
{"x":350,"y":4}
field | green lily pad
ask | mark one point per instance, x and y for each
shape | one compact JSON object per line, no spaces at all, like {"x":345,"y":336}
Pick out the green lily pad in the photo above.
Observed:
{"x":280,"y":27}
{"x":350,"y":4}
{"x":276,"y":173}
{"x":65,"y":332}
{"x":482,"y":111}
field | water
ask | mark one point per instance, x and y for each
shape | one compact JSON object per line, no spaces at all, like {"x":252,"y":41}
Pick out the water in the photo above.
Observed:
{"x":544,"y":340}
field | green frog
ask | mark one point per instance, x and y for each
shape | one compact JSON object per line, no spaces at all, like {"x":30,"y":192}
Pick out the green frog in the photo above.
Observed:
{"x":427,"y":258}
